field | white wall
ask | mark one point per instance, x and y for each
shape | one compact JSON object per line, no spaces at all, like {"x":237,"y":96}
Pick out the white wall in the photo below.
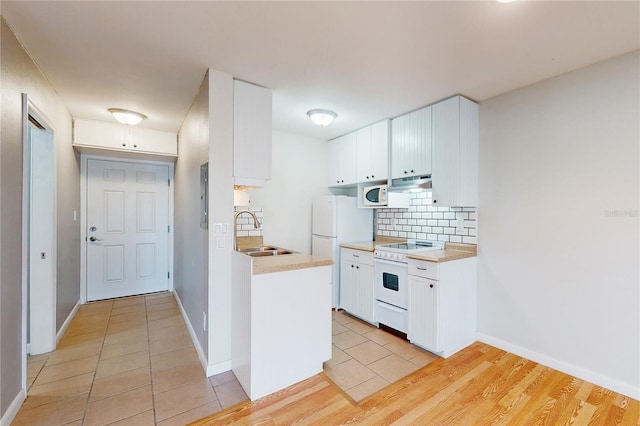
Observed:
{"x":300,"y":172}
{"x":558,"y":223}
{"x":220,"y":211}
{"x":20,"y":75}
{"x":191,"y":241}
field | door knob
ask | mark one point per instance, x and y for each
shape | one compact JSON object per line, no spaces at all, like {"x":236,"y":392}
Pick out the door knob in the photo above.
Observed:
{"x":95,"y":239}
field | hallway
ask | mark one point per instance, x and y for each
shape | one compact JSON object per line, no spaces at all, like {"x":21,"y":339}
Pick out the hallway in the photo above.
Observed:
{"x":126,"y":361}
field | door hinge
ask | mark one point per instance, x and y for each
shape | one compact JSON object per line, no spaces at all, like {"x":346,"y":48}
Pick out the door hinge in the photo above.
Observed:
{"x":168,"y":275}
{"x":168,"y":182}
{"x":168,"y":228}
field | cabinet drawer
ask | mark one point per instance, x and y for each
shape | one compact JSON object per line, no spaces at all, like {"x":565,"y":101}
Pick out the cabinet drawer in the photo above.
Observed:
{"x":423,"y":269}
{"x":360,"y":256}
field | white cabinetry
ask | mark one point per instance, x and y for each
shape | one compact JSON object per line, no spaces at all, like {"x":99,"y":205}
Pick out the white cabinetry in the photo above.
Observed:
{"x":342,"y":160}
{"x":455,"y":152}
{"x":411,"y":144}
{"x":270,"y":352}
{"x":372,"y":152}
{"x":251,"y":134}
{"x":442,"y":305}
{"x":97,"y":137}
{"x":356,"y":283}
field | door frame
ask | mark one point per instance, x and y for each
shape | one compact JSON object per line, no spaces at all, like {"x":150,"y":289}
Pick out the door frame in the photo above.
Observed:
{"x":29,"y":108}
{"x":84,"y":164}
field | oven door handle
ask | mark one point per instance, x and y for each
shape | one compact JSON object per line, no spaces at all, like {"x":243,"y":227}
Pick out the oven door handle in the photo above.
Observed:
{"x":390,"y":262}
{"x":390,"y":307}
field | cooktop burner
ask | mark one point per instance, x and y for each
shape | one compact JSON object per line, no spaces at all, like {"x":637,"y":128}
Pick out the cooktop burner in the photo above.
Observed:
{"x":397,"y":251}
{"x":418,"y":245}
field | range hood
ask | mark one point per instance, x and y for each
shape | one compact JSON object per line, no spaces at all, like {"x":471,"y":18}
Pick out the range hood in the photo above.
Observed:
{"x":411,"y":184}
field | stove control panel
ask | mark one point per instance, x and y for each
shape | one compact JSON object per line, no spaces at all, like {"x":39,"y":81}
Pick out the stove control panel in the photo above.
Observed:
{"x":398,"y":257}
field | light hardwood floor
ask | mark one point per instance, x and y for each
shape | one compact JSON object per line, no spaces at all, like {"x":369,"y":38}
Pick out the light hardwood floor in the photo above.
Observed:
{"x":481,"y":385}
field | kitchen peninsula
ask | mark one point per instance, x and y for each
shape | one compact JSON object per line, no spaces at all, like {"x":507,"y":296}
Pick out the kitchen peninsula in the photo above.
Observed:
{"x":281,"y":320}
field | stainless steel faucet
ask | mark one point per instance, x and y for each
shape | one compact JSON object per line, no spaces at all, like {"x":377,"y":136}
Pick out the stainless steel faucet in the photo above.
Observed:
{"x":256,"y":225}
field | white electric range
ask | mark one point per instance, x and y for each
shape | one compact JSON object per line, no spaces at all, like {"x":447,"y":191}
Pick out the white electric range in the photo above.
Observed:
{"x":390,"y":280}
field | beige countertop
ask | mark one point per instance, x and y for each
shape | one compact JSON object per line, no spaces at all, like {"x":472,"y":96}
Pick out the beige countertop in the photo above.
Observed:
{"x":370,"y":245}
{"x":287,"y":262}
{"x":445,"y":255}
{"x":452,"y":251}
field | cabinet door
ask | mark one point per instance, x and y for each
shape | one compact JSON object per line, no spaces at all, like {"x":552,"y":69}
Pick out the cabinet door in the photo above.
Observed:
{"x":422,"y":312}
{"x":411,"y":144}
{"x":347,"y":285}
{"x":400,"y":146}
{"x":446,"y":135}
{"x":153,"y":141}
{"x":455,"y":152}
{"x":342,"y":160}
{"x":421,"y":142}
{"x":364,"y":169}
{"x":100,"y":134}
{"x":334,"y":161}
{"x":251,"y":131}
{"x":364,"y":291}
{"x":348,"y":157}
{"x":380,"y":150}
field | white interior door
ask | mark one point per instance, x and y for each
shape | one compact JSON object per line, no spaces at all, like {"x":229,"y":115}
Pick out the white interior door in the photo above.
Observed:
{"x":127,"y":229}
{"x":41,"y":231}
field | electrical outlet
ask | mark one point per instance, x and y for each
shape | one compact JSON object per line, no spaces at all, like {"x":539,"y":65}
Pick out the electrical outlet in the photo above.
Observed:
{"x":204,"y":321}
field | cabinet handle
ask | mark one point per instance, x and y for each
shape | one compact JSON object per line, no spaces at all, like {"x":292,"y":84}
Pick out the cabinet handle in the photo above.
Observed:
{"x":357,"y":267}
{"x":372,"y":176}
{"x":421,"y":268}
{"x":352,"y":266}
{"x":342,"y":181}
{"x":435,"y":201}
{"x":124,"y":144}
{"x":135,"y":146}
{"x":356,"y":255}
{"x":431,"y":285}
{"x":411,"y":171}
{"x":405,"y":172}
{"x":367,"y":177}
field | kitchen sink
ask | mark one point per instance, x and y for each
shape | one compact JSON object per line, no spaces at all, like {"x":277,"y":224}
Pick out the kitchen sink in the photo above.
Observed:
{"x":260,"y":248}
{"x":262,"y":253}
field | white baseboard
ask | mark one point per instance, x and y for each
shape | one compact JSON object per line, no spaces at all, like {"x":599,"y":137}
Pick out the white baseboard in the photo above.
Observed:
{"x":66,"y":322}
{"x":218,"y":368}
{"x":567,"y":368}
{"x":194,"y":338}
{"x":13,"y":409}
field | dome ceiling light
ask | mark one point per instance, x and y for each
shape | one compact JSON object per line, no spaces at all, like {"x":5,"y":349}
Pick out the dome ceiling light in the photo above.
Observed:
{"x":322,"y":117}
{"x":126,"y":116}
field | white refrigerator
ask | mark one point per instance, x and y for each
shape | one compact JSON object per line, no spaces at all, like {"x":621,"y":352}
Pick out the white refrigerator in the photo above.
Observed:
{"x":336,"y":220}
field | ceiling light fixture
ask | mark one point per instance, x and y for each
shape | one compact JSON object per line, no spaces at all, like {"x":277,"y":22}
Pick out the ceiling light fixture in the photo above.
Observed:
{"x":322,"y":117}
{"x":127,"y":117}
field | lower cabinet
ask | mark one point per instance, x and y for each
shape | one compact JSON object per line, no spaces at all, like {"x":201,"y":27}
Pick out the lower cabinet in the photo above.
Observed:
{"x":442,"y":305}
{"x":356,"y":283}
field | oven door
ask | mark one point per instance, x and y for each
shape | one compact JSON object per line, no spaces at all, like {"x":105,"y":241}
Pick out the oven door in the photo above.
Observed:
{"x":390,"y":282}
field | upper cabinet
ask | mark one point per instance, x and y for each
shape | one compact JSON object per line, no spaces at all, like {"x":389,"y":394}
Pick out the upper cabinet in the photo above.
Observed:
{"x":411,"y":144}
{"x":360,"y":156}
{"x":372,"y":152}
{"x":96,"y":137}
{"x":251,"y":134}
{"x":342,"y":160}
{"x":455,"y":152}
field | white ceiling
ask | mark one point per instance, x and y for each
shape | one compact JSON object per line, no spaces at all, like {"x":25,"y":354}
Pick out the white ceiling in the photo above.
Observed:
{"x":365,"y":60}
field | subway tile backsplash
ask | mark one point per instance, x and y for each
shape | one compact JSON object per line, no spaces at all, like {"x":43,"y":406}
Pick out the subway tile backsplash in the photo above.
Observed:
{"x":245,"y":222}
{"x":423,"y":221}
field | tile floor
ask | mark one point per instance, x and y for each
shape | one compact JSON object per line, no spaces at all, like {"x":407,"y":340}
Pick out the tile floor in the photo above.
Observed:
{"x":131,"y":361}
{"x":127,"y":361}
{"x":366,"y":359}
